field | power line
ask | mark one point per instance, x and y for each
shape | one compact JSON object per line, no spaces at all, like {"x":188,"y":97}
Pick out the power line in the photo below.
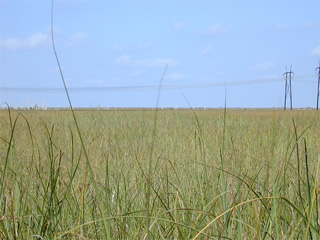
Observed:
{"x":141,"y":88}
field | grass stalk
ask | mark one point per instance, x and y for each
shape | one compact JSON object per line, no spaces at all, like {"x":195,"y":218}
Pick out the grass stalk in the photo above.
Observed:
{"x":273,"y":182}
{"x":311,"y":207}
{"x":151,"y":156}
{"x":99,"y":199}
{"x":224,"y":184}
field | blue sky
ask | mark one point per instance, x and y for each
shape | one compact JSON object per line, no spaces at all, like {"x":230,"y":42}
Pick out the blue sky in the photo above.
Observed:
{"x":128,"y":43}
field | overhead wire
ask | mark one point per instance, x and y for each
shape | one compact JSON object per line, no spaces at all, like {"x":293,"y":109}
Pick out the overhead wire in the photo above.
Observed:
{"x":147,"y":87}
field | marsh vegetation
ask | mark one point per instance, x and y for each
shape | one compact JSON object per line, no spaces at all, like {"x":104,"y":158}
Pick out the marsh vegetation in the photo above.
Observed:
{"x":250,"y":174}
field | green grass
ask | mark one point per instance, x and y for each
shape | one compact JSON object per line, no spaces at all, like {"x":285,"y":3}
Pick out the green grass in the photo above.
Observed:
{"x":202,"y":174}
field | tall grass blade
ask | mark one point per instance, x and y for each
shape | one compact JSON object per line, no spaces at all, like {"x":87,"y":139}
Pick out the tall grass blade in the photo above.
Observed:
{"x":298,"y":164}
{"x":2,"y":184}
{"x":224,"y":185}
{"x":273,"y":182}
{"x":99,"y":199}
{"x":151,"y":156}
{"x":315,"y":193}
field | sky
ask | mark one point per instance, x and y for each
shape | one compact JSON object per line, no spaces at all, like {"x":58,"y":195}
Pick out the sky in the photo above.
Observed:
{"x":113,"y":53}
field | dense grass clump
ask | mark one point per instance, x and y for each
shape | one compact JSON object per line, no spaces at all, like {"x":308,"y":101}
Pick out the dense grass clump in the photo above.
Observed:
{"x":203,"y":174}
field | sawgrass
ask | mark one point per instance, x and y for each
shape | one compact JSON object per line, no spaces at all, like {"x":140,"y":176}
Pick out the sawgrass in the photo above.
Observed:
{"x":202,"y":174}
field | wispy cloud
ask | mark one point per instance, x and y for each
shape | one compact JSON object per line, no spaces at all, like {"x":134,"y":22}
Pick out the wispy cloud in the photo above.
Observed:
{"x":219,"y":28}
{"x":176,"y":76}
{"x":270,"y":76}
{"x":78,"y":39}
{"x":143,"y":46}
{"x":139,"y":46}
{"x":207,"y":49}
{"x":36,"y":40}
{"x":137,"y":72}
{"x":263,"y":66}
{"x":178,"y":26}
{"x":148,"y":63}
{"x":298,"y":27}
{"x":316,"y":51}
{"x":283,"y":26}
{"x":95,"y":81}
{"x":119,"y":47}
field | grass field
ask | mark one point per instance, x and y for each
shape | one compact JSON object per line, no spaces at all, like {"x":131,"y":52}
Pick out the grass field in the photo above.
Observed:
{"x":179,"y":175}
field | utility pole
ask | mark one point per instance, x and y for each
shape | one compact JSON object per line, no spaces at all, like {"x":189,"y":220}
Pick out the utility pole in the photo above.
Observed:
{"x":318,"y":73}
{"x":288,"y":75}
